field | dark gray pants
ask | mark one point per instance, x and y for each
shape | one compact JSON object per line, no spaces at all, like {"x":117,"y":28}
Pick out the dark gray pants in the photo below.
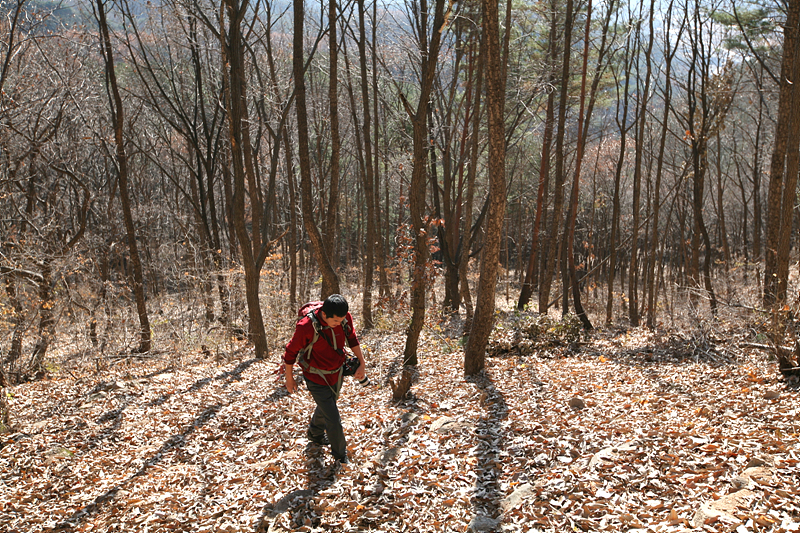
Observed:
{"x":326,"y":418}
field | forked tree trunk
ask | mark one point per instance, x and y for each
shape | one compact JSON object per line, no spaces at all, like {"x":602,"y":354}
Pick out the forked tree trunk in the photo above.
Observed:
{"x":330,"y":280}
{"x":416,"y":196}
{"x":252,"y":252}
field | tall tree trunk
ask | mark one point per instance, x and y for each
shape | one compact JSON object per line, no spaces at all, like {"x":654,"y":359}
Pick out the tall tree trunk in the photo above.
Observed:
{"x":573,"y":210}
{"x":379,"y":237}
{"x":723,"y":231}
{"x":757,"y":218}
{"x":544,"y":173}
{"x":633,"y":309}
{"x":654,"y":240}
{"x":329,"y":230}
{"x":792,"y":167}
{"x":330,"y":280}
{"x":369,"y":174}
{"x":118,"y":118}
{"x":616,"y":208}
{"x":467,"y":233}
{"x":252,"y":252}
{"x":416,"y":197}
{"x":475,"y":350}
{"x":558,"y":203}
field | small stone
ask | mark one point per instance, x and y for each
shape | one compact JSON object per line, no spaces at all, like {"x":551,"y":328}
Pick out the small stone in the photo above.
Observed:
{"x":447,"y":424}
{"x":482,"y":523}
{"x":772,"y":395}
{"x":409,"y":418}
{"x":577,"y":403}
{"x":389,"y":455}
{"x":517,"y":497}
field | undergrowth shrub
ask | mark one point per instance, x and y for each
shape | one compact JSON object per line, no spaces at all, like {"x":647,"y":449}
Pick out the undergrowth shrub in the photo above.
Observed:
{"x":526,"y":333}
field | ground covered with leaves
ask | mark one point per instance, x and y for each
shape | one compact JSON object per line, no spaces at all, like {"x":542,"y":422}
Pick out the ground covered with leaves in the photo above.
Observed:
{"x":623,"y":431}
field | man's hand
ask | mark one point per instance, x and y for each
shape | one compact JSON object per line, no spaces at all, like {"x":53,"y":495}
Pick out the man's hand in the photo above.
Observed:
{"x":362,"y":368}
{"x":291,"y":385}
{"x":361,"y":372}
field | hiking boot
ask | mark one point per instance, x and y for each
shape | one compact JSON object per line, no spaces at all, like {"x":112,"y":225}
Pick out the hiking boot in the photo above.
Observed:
{"x":338,"y":464}
{"x":321,"y":440}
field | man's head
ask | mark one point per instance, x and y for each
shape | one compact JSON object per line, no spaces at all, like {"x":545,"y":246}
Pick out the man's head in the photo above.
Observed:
{"x":334,"y":309}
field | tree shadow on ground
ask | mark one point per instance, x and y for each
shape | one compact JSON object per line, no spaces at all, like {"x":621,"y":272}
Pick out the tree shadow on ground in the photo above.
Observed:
{"x":487,"y":498}
{"x":229,"y":375}
{"x":300,"y":502}
{"x":173,"y":443}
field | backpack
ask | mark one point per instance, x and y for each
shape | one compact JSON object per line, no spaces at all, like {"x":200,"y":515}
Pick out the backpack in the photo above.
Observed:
{"x":309,"y":310}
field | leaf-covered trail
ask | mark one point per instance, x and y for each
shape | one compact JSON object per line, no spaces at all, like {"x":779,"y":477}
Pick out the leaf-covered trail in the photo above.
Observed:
{"x":597,"y":441}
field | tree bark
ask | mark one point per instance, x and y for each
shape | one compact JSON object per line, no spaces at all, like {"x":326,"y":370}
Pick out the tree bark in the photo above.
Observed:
{"x":369,"y":174}
{"x":544,"y":174}
{"x":330,"y":280}
{"x":118,"y":119}
{"x":573,"y":214}
{"x":417,"y":189}
{"x":252,"y":253}
{"x":633,"y":308}
{"x":554,"y":226}
{"x":654,"y":240}
{"x":616,"y":208}
{"x":475,"y":349}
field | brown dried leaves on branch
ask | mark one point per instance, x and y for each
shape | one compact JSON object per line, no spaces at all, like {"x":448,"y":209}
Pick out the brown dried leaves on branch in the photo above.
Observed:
{"x":620,"y":436}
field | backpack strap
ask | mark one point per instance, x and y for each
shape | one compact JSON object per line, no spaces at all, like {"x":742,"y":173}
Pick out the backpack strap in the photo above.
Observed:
{"x":304,"y":356}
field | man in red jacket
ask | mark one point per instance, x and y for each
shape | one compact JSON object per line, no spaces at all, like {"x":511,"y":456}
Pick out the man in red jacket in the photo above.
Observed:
{"x":323,"y":371}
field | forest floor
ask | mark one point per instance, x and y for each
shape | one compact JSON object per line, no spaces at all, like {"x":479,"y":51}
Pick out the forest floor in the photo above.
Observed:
{"x":618,"y":431}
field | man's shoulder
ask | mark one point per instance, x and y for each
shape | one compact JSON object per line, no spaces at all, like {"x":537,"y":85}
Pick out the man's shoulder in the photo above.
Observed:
{"x":304,"y":324}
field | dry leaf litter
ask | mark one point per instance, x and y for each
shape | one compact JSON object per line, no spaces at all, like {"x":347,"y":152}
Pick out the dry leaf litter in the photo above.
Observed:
{"x":619,"y":434}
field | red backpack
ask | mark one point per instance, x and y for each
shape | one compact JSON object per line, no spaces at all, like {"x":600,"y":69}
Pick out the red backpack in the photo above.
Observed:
{"x":304,"y":356}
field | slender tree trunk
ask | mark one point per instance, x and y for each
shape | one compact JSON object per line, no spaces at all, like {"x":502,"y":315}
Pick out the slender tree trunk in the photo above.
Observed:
{"x":369,"y":175}
{"x":573,"y":214}
{"x":726,"y":250}
{"x":118,"y":118}
{"x":544,"y":175}
{"x":757,"y":218}
{"x":475,"y":349}
{"x":467,"y":238}
{"x":633,"y":309}
{"x":558,"y":203}
{"x":416,"y":197}
{"x":616,"y":208}
{"x":774,"y":287}
{"x":329,"y":230}
{"x":792,"y":166}
{"x":330,"y":280}
{"x":383,"y":279}
{"x":670,"y":53}
{"x":232,"y":42}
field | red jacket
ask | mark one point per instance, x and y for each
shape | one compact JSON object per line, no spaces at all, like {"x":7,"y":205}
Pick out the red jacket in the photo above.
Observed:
{"x":323,"y":356}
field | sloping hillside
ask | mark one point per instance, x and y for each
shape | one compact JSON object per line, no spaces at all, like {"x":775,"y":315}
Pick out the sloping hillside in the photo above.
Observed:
{"x":625,"y":433}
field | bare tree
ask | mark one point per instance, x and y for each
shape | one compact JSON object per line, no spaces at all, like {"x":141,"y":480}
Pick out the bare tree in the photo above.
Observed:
{"x":330,"y":280}
{"x":475,"y":350}
{"x":429,"y":45}
{"x":118,"y":120}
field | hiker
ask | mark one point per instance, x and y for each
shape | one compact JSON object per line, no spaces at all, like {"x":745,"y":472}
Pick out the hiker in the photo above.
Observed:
{"x":322,"y":362}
